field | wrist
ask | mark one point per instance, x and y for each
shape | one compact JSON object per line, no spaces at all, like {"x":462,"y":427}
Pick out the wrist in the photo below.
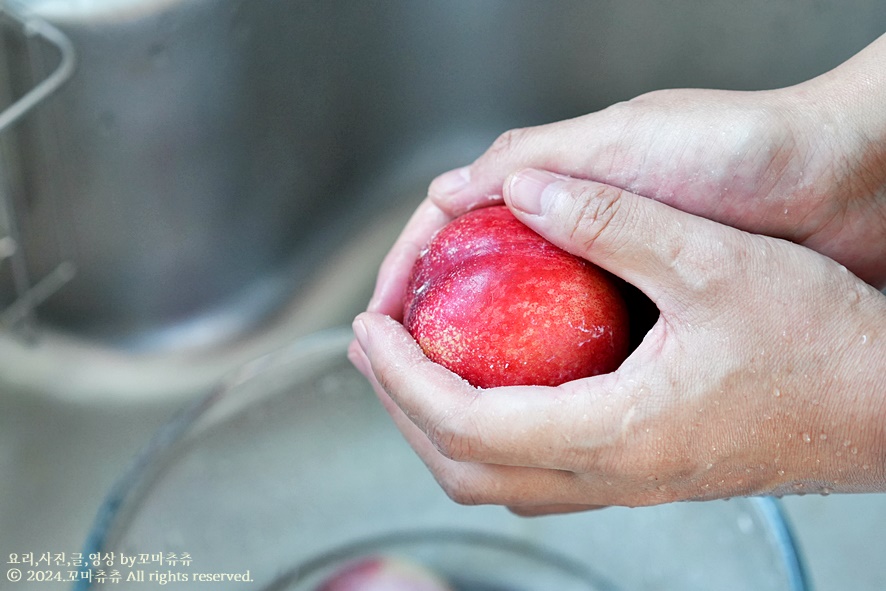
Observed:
{"x":843,"y":445}
{"x":849,"y":103}
{"x":839,"y":125}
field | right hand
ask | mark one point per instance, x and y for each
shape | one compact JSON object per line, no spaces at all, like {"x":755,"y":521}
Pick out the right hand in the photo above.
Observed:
{"x":763,"y":374}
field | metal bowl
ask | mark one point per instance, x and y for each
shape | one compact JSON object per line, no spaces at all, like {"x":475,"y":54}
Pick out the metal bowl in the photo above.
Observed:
{"x":291,"y":468}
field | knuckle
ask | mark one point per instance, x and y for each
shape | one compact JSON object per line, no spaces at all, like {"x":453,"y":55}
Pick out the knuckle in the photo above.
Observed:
{"x":706,"y":269}
{"x":596,"y":209}
{"x":461,"y":490}
{"x":384,"y":377}
{"x":452,"y":440}
{"x":507,"y":142}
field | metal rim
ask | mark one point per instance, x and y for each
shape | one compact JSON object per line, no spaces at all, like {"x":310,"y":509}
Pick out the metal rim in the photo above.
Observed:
{"x":121,"y":493}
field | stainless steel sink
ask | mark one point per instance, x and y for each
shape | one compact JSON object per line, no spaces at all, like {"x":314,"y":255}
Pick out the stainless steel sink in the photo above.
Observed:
{"x":224,"y":176}
{"x":208,"y":155}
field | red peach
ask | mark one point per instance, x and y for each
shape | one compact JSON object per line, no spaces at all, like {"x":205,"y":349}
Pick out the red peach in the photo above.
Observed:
{"x":383,"y":573}
{"x":499,"y":305}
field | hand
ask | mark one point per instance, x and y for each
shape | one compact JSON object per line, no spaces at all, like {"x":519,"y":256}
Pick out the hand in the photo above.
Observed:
{"x":764,"y":372}
{"x":805,"y":163}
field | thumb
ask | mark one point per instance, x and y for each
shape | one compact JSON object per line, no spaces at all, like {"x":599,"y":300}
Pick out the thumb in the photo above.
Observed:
{"x":664,"y":252}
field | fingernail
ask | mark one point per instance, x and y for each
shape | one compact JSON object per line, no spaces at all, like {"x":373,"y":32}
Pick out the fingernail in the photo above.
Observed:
{"x":452,"y":181}
{"x":358,"y":359}
{"x":527,"y":190}
{"x":360,"y":333}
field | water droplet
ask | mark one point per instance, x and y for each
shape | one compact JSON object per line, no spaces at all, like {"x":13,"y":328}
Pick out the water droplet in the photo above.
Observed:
{"x":807,"y":438}
{"x":745,"y":524}
{"x":847,"y":443}
{"x":781,"y":472}
{"x":776,"y":392}
{"x":823,"y":437}
{"x":709,"y":466}
{"x":864,"y":339}
{"x":825,"y":491}
{"x":854,"y":451}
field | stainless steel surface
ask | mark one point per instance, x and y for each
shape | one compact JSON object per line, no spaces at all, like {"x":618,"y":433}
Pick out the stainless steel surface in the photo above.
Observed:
{"x":233,"y":171}
{"x":291,"y":464}
{"x":30,"y":76}
{"x":215,"y":150}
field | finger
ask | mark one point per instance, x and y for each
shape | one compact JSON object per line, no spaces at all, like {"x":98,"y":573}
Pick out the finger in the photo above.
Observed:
{"x":416,"y":438}
{"x":532,"y":426}
{"x":668,"y":254}
{"x":566,"y":147}
{"x":393,"y":274}
{"x":471,"y":483}
{"x":541,"y":510}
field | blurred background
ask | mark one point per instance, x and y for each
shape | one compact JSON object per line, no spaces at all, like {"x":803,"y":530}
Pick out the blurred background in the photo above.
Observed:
{"x":188,"y":184}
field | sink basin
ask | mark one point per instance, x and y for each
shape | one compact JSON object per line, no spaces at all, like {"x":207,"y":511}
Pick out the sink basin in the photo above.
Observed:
{"x":291,"y":469}
{"x":225,"y":175}
{"x":208,"y":157}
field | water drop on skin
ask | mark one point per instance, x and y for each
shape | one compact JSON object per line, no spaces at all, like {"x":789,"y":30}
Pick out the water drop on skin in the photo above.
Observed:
{"x":864,"y":339}
{"x":807,"y":438}
{"x":823,"y":437}
{"x":776,"y":393}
